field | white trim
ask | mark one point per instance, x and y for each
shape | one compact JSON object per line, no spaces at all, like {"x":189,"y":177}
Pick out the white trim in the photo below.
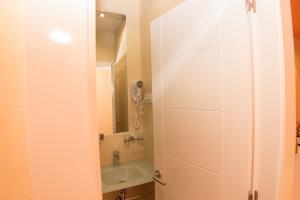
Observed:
{"x":273,"y":76}
{"x":288,"y":106}
{"x":91,"y":61}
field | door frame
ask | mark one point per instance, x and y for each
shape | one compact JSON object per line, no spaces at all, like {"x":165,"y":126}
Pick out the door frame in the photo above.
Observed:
{"x":91,"y":65}
{"x":274,"y":99}
{"x":289,"y":103}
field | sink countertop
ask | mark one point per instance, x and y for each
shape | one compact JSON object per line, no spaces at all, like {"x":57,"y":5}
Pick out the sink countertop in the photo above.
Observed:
{"x":146,"y":167}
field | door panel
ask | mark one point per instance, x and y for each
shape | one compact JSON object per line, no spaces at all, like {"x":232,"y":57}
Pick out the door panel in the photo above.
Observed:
{"x":198,"y":131}
{"x":185,"y":181}
{"x":193,"y":25}
{"x":202,"y":101}
{"x":185,"y":70}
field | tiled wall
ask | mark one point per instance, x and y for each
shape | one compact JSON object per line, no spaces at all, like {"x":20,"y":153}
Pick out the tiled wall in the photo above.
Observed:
{"x":148,"y":11}
{"x":130,"y":8}
{"x":128,"y":151}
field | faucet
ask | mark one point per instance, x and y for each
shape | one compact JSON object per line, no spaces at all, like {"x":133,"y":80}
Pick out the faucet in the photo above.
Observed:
{"x":116,"y":158}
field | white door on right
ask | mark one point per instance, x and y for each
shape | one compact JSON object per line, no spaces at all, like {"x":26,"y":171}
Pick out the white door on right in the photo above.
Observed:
{"x":202,"y":101}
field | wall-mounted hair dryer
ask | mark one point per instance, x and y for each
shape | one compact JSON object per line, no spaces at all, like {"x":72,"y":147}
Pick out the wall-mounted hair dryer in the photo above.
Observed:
{"x":137,"y":91}
{"x":137,"y":97}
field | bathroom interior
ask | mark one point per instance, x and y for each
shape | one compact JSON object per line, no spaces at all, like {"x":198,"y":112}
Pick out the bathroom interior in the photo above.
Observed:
{"x":124,"y":96}
{"x":162,"y":96}
{"x":125,"y":149}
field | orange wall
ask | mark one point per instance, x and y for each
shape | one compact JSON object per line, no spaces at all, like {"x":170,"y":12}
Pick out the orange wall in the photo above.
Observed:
{"x":296,"y":26}
{"x":297,"y":59}
{"x":296,"y":17}
{"x":60,"y":86}
{"x":15,"y":182}
{"x":297,"y":179}
{"x":297,"y":166}
{"x":104,"y":101}
{"x":48,"y":146}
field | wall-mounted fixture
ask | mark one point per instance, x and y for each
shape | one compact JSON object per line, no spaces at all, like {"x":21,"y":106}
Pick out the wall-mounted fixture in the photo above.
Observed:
{"x":130,"y":139}
{"x":116,"y":158}
{"x":137,"y":95}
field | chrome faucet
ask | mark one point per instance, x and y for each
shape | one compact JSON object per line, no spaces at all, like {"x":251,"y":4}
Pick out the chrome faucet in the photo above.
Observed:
{"x":116,"y":158}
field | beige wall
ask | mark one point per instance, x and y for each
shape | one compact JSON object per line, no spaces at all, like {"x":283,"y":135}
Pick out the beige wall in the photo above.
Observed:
{"x":120,"y":82}
{"x":139,"y":14}
{"x":149,"y":11}
{"x":121,"y":41}
{"x":121,"y":95}
{"x":105,"y":44}
{"x":130,"y":8}
{"x":104,"y":100}
{"x":15,"y":181}
{"x":128,"y":152}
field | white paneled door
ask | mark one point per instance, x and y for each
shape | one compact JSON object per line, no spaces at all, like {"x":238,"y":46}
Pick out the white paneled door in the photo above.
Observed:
{"x":202,"y":101}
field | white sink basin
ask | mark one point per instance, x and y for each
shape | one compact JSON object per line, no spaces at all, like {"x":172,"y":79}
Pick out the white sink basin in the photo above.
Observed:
{"x":121,"y":174}
{"x":126,"y":175}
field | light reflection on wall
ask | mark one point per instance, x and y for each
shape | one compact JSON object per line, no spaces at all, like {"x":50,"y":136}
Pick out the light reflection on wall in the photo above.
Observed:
{"x":60,"y":36}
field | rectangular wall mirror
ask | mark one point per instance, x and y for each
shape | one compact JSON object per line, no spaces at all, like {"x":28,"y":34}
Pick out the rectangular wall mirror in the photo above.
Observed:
{"x":111,"y":73}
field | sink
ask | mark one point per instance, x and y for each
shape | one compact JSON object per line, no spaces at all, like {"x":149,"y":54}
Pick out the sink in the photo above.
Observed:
{"x":121,"y":174}
{"x":126,"y":175}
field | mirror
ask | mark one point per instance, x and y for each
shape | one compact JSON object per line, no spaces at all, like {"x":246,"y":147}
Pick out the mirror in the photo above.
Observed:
{"x":111,"y":73}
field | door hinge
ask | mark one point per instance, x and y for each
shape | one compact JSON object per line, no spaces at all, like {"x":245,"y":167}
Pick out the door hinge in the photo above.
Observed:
{"x":251,"y":6}
{"x":253,"y":195}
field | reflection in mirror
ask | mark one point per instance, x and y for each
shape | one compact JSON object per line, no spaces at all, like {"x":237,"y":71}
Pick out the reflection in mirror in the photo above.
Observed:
{"x":112,"y":86}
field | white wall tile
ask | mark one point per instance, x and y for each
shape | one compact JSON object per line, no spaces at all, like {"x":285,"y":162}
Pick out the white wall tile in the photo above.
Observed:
{"x":128,"y":151}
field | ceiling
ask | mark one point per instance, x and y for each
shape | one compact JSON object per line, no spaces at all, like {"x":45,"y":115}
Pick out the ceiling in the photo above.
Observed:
{"x":296,"y":17}
{"x":110,"y":22}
